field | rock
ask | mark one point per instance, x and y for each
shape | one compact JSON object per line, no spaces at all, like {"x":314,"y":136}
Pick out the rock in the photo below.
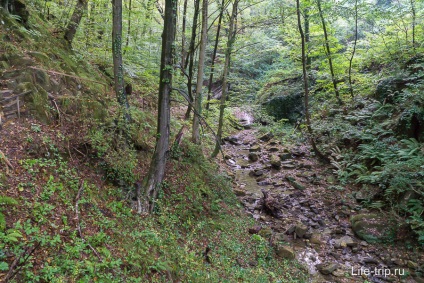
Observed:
{"x":253,"y":157}
{"x":256,"y":173}
{"x":265,"y":233}
{"x":255,"y":229}
{"x":275,"y":161}
{"x":255,"y":148}
{"x":373,"y":227}
{"x":285,"y":156}
{"x":239,"y":193}
{"x":316,"y":239}
{"x":295,"y":184}
{"x":338,"y":273}
{"x":289,"y":166}
{"x":301,"y":230}
{"x":284,"y":251}
{"x":412,"y":265}
{"x":267,"y":137}
{"x":344,"y":241}
{"x":273,"y":149}
{"x":288,"y":106}
{"x":232,"y":140}
{"x":327,"y":268}
{"x":291,"y":230}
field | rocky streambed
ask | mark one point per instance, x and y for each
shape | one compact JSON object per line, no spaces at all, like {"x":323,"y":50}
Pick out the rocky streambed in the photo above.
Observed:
{"x":306,"y":215}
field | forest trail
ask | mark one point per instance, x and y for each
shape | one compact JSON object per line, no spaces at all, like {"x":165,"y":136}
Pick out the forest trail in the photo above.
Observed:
{"x":305,"y":215}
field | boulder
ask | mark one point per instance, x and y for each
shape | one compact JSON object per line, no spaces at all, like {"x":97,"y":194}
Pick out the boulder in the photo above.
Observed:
{"x":327,"y":268}
{"x":275,"y":161}
{"x":288,"y":106}
{"x":284,"y":251}
{"x":253,"y":157}
{"x":373,"y":227}
{"x":300,"y":230}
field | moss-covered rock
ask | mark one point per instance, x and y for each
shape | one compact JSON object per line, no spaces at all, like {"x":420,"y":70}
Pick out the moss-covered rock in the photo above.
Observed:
{"x":374,"y":227}
{"x":289,"y":107}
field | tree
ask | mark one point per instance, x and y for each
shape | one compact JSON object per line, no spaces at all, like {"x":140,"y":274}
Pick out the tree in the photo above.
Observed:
{"x":328,"y":52}
{"x":305,"y":84}
{"x":230,"y":43}
{"x":215,"y":48}
{"x":71,"y":29}
{"x":152,"y":182}
{"x":190,"y":58}
{"x":354,"y":49}
{"x":200,"y":70}
{"x":118,"y":71}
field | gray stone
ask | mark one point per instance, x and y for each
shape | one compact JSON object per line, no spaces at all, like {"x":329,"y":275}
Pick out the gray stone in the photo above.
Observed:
{"x":327,"y":268}
{"x":253,"y":157}
{"x":301,"y":230}
{"x":283,"y":251}
{"x":275,"y":161}
{"x":345,"y":241}
{"x":255,"y":148}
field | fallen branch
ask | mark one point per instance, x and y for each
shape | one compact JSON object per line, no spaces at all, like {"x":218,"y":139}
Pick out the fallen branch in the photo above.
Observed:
{"x":78,"y":197}
{"x":8,"y":164}
{"x":28,"y":252}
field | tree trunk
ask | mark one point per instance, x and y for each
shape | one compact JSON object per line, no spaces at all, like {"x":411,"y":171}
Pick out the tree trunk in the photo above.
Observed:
{"x":328,"y":53}
{"x":72,"y":27}
{"x":215,"y":48}
{"x":230,"y":42}
{"x":354,"y":49}
{"x":307,"y":39}
{"x":413,"y":22}
{"x":200,"y":70}
{"x":153,"y":180}
{"x":305,"y":85}
{"x":190,"y":61}
{"x":118,"y":71}
{"x":129,"y":26}
{"x":183,"y":38}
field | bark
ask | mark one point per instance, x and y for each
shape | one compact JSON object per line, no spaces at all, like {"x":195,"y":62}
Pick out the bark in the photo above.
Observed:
{"x":183,"y":38}
{"x":413,"y":22}
{"x":354,"y":49}
{"x":129,"y":26}
{"x":307,"y":39}
{"x":305,"y":85}
{"x":200,"y":70}
{"x":214,"y":53}
{"x":328,"y":53}
{"x":153,"y":180}
{"x":76,"y":17}
{"x":230,"y":42}
{"x":190,"y":61}
{"x":118,"y":71}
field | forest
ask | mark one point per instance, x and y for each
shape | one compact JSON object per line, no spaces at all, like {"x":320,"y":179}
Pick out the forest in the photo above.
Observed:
{"x":212,"y":141}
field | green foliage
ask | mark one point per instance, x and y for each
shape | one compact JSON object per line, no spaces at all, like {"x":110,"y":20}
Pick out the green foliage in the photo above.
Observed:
{"x":5,"y":201}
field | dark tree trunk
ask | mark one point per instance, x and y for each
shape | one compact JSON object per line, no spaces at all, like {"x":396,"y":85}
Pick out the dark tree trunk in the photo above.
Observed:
{"x":183,"y":38}
{"x":230,"y":43}
{"x":72,"y":27}
{"x":307,"y":39}
{"x":153,"y":180}
{"x":215,"y":48}
{"x":328,"y":53}
{"x":117,"y":57}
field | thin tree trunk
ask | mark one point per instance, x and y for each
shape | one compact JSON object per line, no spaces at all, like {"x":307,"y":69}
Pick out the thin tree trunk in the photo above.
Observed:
{"x":305,"y":85}
{"x":230,"y":42}
{"x":354,"y":49}
{"x":190,"y":61}
{"x":215,"y":49}
{"x":200,"y":71}
{"x":328,"y":51}
{"x":72,"y":27}
{"x":307,"y":39}
{"x":117,"y":57}
{"x":413,"y":22}
{"x":153,"y":180}
{"x":129,"y":26}
{"x":183,"y":38}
